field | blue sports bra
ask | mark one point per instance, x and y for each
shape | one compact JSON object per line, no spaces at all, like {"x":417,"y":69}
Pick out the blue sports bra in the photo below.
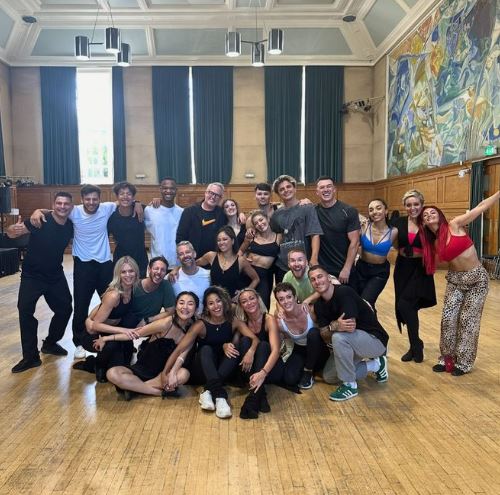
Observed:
{"x":381,"y":248}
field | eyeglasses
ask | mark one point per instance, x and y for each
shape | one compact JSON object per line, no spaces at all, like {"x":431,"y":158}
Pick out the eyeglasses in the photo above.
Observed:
{"x":214,"y":194}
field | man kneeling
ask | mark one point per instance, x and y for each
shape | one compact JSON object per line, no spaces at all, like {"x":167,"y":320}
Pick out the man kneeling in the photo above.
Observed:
{"x":359,"y":340}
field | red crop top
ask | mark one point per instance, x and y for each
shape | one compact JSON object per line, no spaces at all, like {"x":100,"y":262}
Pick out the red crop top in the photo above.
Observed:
{"x":455,"y":247}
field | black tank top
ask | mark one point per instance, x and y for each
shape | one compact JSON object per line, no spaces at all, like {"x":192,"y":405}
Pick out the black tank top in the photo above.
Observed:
{"x":230,"y":279}
{"x":271,"y":249}
{"x":263,"y":335}
{"x":121,"y":310}
{"x":216,"y":335}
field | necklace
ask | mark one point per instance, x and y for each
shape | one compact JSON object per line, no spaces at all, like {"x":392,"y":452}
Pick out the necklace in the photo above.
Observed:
{"x":225,"y":263}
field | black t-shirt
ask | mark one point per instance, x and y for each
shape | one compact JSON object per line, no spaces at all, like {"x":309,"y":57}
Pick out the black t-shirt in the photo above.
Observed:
{"x":336,"y":222}
{"x":346,"y":300}
{"x":46,"y":247}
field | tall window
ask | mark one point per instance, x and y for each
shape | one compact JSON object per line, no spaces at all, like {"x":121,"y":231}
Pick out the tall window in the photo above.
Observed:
{"x":95,"y":125}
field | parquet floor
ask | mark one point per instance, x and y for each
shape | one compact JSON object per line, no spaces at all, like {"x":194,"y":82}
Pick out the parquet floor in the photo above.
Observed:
{"x":422,"y":432}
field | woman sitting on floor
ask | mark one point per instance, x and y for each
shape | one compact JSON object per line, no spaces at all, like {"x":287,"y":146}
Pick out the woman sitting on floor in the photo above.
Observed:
{"x":216,"y":356}
{"x":306,"y":351}
{"x":112,"y":316}
{"x":144,"y":376}
{"x":252,"y":310}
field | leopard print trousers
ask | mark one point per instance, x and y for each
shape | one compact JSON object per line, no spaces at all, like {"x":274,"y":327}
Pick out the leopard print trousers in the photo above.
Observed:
{"x":462,"y":308}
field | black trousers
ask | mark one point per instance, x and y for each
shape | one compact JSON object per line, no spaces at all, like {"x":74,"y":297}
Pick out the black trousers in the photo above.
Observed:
{"x":211,"y":368}
{"x":313,"y":356}
{"x":58,"y":298}
{"x":261,"y":356}
{"x":88,"y":276}
{"x":265,"y":286}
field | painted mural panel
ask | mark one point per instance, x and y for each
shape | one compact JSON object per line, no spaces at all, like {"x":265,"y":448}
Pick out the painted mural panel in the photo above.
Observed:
{"x":444,"y":88}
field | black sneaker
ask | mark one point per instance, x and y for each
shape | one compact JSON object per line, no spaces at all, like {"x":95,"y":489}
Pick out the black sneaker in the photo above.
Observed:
{"x":26,"y":364}
{"x":306,"y":380}
{"x":54,"y":349}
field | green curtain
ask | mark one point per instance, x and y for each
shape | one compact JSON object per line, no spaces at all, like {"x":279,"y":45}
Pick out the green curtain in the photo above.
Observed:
{"x":61,"y":160}
{"x":119,"y":143}
{"x":213,"y":123}
{"x":283,"y":103}
{"x":171,"y":123}
{"x":476,"y":196}
{"x":323,"y":126}
{"x":2,"y":158}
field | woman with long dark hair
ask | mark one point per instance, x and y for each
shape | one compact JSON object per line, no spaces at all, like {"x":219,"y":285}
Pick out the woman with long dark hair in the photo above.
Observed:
{"x":144,"y":377}
{"x":232,"y":211}
{"x":216,"y":355}
{"x":376,"y":240}
{"x":414,"y":288}
{"x":466,"y":288}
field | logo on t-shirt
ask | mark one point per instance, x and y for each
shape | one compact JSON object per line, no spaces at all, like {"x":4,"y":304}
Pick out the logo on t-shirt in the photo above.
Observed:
{"x":204,"y":222}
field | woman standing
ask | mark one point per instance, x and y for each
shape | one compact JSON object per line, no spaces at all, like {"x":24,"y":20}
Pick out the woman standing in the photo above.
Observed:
{"x":113,"y":316}
{"x":216,"y":356}
{"x":127,"y":231}
{"x":467,"y":285}
{"x":233,"y":214}
{"x":376,"y":241}
{"x":414,"y":289}
{"x":306,"y":352}
{"x":263,"y":326}
{"x":144,"y":377}
{"x":262,"y":247}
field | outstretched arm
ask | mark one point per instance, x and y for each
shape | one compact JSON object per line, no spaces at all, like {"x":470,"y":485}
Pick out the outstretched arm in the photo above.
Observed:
{"x":471,"y":215}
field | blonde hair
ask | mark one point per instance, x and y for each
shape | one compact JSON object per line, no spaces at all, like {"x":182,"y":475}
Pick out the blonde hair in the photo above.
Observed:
{"x":415,"y":193}
{"x":116,"y":283}
{"x":239,"y":311}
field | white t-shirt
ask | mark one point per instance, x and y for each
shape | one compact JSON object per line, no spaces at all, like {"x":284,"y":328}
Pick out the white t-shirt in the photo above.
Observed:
{"x":90,"y":241}
{"x":162,"y":224}
{"x":197,"y":283}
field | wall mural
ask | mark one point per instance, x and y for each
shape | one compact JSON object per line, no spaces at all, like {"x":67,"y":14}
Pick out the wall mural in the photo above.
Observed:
{"x":444,"y":88}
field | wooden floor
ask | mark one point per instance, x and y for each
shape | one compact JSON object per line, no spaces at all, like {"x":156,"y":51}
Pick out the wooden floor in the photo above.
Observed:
{"x":421,"y":432}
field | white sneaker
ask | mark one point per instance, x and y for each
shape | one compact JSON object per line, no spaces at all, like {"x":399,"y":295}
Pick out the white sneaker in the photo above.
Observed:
{"x":222,"y":409}
{"x":80,"y":352}
{"x":206,"y":401}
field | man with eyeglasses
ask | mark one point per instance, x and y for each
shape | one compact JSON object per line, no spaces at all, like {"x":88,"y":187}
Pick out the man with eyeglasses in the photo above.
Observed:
{"x":200,"y":222}
{"x":162,"y":222}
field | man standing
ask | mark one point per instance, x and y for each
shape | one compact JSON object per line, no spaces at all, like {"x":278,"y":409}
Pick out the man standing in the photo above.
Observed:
{"x":359,"y":341}
{"x":200,"y":222}
{"x":263,"y":199}
{"x":162,"y":222}
{"x":340,"y":224}
{"x":43,"y":275}
{"x":190,"y":276}
{"x":93,"y":268}
{"x":298,"y":223}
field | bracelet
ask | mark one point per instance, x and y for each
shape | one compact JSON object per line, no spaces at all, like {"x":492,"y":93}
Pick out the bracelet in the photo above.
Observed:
{"x":264,"y":371}
{"x":181,"y":358}
{"x":114,"y":336}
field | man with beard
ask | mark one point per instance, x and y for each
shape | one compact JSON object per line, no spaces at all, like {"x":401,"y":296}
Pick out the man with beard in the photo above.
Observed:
{"x":154,"y":294}
{"x":162,"y":222}
{"x":43,"y":275}
{"x":190,"y":276}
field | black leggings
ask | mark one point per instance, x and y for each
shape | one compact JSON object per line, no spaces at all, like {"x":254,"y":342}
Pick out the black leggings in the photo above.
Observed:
{"x":265,"y":285}
{"x":409,"y":313}
{"x":261,"y":356}
{"x":114,"y":353}
{"x":312,"y":357}
{"x":372,"y":278}
{"x":211,"y":367}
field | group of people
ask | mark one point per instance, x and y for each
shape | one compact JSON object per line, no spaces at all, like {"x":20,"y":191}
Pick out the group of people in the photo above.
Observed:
{"x":199,"y":308}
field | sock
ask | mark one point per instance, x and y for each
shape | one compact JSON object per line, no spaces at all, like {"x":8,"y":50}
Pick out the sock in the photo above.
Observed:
{"x":352,"y":384}
{"x":373,"y":365}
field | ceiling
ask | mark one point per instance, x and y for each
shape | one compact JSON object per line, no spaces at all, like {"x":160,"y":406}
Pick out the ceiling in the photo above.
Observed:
{"x":191,"y":32}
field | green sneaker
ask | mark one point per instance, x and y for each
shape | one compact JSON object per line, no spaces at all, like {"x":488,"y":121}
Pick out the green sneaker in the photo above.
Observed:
{"x":382,"y":375}
{"x":344,"y":392}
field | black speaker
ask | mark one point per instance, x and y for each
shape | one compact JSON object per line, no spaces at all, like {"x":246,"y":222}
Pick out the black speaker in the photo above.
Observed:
{"x":5,"y":205}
